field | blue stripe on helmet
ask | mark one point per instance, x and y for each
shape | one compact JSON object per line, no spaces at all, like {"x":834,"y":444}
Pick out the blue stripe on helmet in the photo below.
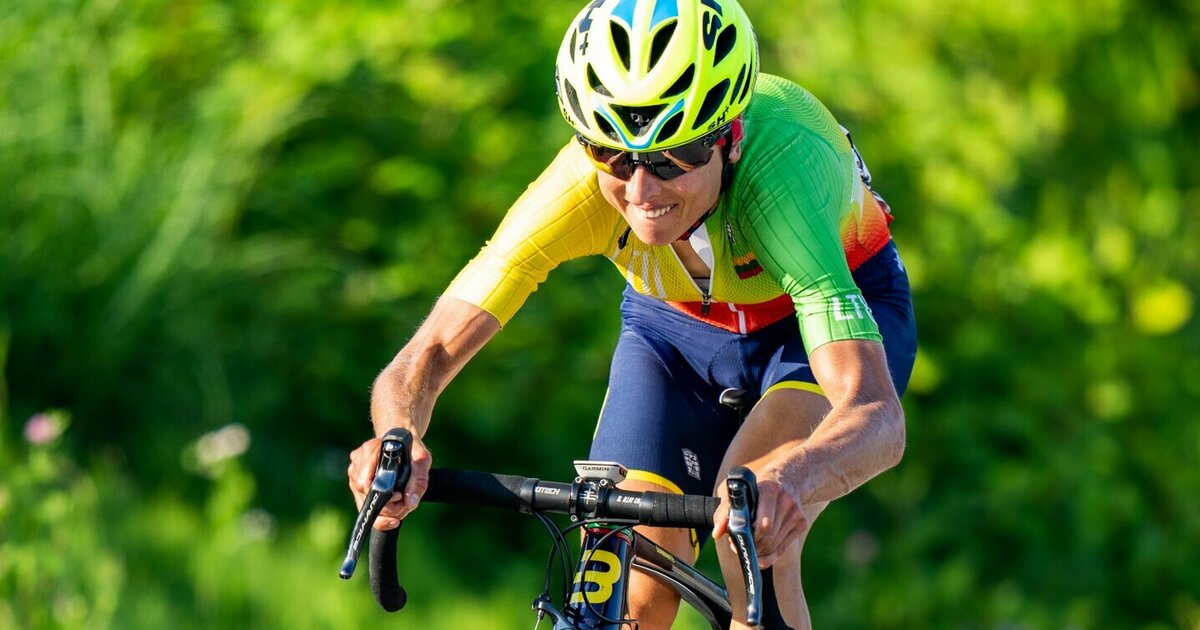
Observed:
{"x":663,"y":11}
{"x":650,"y":137}
{"x":624,"y":12}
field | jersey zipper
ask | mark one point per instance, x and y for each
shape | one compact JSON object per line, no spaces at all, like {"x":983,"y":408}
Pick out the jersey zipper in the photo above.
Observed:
{"x":705,"y":296}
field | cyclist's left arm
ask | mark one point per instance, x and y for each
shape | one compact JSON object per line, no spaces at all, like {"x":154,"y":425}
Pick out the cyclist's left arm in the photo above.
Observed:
{"x":796,"y":232}
{"x":862,"y":436}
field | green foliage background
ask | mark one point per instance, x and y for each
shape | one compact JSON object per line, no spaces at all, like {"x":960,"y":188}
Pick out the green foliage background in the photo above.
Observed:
{"x":220,"y":212}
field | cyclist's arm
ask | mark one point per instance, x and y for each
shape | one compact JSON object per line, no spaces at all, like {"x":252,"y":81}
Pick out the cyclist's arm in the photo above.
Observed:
{"x":862,"y":436}
{"x":796,"y":206}
{"x":405,"y":391}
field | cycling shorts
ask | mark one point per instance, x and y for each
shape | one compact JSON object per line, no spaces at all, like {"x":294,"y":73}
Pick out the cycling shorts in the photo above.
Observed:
{"x":662,"y":418}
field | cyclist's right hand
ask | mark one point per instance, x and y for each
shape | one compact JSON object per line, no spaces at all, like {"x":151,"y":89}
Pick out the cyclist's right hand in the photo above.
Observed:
{"x":361,"y":473}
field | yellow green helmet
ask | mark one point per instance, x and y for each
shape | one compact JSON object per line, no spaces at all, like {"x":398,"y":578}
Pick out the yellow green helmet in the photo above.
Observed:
{"x":647,"y":75}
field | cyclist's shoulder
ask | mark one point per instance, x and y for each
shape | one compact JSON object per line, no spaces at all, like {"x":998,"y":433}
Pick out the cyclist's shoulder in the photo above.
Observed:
{"x":560,"y":216}
{"x":784,"y":116}
{"x":565,"y":190}
{"x":569,"y":170}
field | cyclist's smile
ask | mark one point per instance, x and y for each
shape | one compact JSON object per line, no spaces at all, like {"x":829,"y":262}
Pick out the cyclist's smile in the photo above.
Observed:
{"x":660,"y":211}
{"x":651,"y":212}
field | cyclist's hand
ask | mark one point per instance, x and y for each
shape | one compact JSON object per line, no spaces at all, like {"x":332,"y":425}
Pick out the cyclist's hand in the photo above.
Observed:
{"x":780,"y":523}
{"x":361,"y":473}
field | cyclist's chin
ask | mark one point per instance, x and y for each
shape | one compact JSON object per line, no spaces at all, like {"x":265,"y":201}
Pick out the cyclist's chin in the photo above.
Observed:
{"x":654,"y":233}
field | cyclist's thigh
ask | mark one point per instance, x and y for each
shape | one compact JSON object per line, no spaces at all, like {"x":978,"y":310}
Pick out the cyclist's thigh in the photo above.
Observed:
{"x":660,"y":418}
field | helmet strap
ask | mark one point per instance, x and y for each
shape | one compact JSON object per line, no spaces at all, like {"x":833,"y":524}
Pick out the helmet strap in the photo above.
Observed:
{"x":726,"y":175}
{"x":731,"y":138}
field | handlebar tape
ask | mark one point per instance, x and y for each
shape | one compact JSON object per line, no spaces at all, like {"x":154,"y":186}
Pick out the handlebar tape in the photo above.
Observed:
{"x":385,"y":584}
{"x":681,"y":510}
{"x":466,"y":487}
{"x":512,"y":492}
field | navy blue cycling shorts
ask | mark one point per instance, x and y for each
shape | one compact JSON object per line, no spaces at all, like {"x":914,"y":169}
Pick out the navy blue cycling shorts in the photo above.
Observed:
{"x":662,"y":418}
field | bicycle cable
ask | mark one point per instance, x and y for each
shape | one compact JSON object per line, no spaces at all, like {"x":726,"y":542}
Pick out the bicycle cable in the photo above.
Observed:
{"x":560,"y":549}
{"x":626,"y":526}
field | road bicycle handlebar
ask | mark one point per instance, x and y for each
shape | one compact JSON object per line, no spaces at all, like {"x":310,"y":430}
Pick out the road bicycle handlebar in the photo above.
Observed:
{"x":582,"y":499}
{"x":526,"y":494}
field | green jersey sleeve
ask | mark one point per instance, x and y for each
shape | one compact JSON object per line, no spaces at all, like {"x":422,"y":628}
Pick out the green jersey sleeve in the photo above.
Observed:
{"x":796,"y":191}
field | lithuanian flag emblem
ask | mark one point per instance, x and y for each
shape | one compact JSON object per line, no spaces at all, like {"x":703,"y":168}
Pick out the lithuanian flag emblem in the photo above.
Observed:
{"x":746,"y":266}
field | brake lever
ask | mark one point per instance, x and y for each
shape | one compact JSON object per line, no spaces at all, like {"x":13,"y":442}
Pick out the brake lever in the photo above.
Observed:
{"x":391,"y":475}
{"x":743,"y":510}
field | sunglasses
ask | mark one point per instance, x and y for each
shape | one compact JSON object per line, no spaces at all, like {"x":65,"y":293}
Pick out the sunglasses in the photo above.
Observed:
{"x":665,"y":164}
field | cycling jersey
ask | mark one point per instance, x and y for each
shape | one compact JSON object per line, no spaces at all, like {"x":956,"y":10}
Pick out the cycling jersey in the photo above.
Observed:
{"x":797,"y":218}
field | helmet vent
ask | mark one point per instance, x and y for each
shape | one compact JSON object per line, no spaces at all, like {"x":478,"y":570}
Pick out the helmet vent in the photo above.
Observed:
{"x":681,"y":84}
{"x":606,"y":128}
{"x":749,"y":78}
{"x":573,"y":101}
{"x":620,"y":40}
{"x":661,"y":39}
{"x":574,"y":34}
{"x":712,"y":101}
{"x":725,"y":43}
{"x":737,"y":84}
{"x":670,"y":127}
{"x":594,"y":82}
{"x":638,"y":119}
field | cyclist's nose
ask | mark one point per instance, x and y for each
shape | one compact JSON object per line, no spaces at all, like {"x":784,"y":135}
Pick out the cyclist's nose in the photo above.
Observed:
{"x":642,"y":187}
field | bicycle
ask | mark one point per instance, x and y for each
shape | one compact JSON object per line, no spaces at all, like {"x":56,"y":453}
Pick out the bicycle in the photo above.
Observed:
{"x":595,"y":597}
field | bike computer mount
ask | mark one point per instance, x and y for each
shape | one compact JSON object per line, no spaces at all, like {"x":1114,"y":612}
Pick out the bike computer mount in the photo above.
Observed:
{"x":593,"y":481}
{"x":588,"y":470}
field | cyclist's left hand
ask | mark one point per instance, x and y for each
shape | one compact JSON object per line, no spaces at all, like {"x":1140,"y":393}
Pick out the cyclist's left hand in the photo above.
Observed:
{"x":781,"y":521}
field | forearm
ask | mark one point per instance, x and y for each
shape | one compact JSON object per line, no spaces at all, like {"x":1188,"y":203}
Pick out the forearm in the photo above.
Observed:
{"x":852,"y":445}
{"x":405,"y":391}
{"x":863,"y":433}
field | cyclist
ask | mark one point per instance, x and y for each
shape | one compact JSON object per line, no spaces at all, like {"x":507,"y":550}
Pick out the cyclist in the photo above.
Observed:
{"x":756,"y":255}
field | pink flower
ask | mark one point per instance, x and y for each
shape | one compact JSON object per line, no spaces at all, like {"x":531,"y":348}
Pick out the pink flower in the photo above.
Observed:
{"x":43,"y":428}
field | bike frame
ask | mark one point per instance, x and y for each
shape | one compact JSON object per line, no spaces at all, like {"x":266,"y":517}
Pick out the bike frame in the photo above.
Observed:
{"x":598,"y":593}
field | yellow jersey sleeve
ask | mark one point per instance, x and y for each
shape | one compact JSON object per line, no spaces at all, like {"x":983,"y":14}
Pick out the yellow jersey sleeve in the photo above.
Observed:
{"x":561,"y":216}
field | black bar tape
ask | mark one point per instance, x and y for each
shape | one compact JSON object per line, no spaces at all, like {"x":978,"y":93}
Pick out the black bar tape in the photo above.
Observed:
{"x":675,"y":510}
{"x":385,"y":584}
{"x":467,"y":487}
{"x":512,"y":492}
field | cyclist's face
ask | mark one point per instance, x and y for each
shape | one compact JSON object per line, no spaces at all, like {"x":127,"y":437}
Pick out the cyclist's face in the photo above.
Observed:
{"x":660,"y":211}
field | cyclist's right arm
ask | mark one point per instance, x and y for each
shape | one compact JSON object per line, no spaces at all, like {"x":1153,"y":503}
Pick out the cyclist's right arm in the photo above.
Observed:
{"x":405,"y":391}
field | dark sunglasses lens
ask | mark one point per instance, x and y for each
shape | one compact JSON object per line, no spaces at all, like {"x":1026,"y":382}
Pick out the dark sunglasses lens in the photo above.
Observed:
{"x":663,"y":164}
{"x":696,"y":153}
{"x":611,"y":161}
{"x":665,"y":169}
